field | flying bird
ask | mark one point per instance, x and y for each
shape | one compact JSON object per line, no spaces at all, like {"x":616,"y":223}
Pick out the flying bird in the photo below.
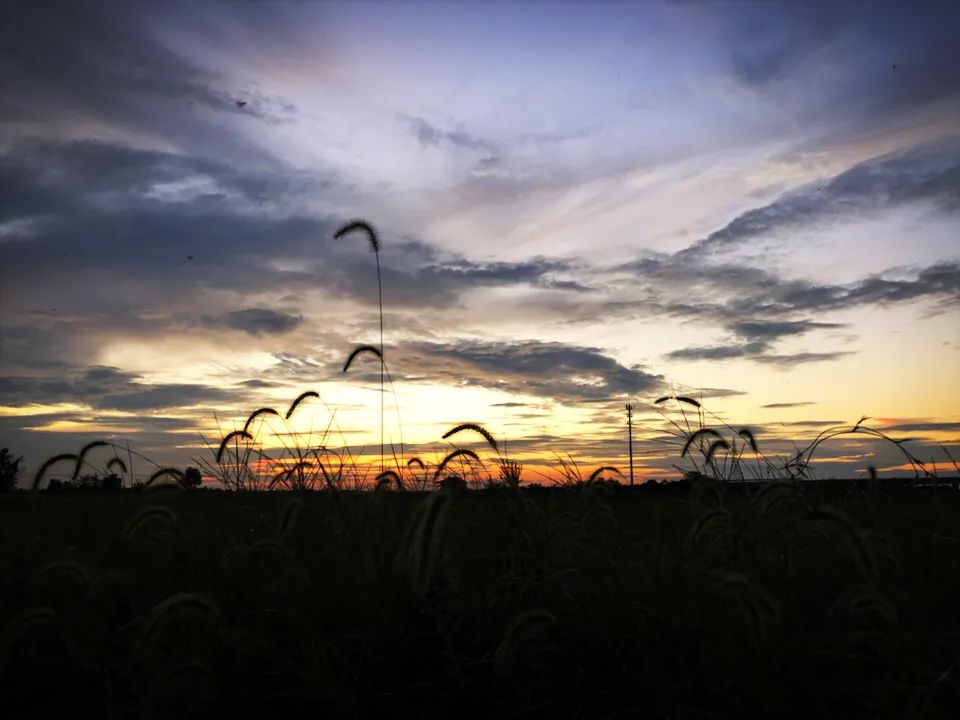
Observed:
{"x":189,"y":257}
{"x":241,"y":104}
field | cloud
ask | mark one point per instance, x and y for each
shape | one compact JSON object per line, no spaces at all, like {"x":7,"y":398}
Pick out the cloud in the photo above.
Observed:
{"x":772,"y":45}
{"x":258,"y":321}
{"x":103,"y":64}
{"x":106,"y":388}
{"x":564,"y":373}
{"x":758,"y":338}
{"x":924,"y":427}
{"x":772,"y":406}
{"x":716,"y":392}
{"x":753,"y":351}
{"x":431,"y":135}
{"x":717,"y":352}
{"x":771,"y":330}
{"x":62,"y":176}
{"x":113,"y":255}
{"x":844,"y":69}
{"x":929,"y":172}
{"x":800,"y":358}
{"x":758,"y":307}
{"x":538,"y":271}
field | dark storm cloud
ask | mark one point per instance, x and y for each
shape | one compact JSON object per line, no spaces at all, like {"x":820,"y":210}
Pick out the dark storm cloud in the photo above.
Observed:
{"x":556,"y":371}
{"x":105,"y":388}
{"x":930,"y":172}
{"x":257,"y":321}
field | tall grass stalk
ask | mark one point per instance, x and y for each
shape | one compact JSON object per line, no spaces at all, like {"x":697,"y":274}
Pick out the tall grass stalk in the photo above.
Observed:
{"x":361,"y":225}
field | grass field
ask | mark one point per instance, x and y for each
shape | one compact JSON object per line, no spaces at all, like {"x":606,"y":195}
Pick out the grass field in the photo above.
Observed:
{"x":681,"y":601}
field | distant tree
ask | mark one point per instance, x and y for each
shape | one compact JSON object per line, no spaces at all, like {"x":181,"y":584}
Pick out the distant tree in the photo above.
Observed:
{"x":9,"y":470}
{"x":191,"y":478}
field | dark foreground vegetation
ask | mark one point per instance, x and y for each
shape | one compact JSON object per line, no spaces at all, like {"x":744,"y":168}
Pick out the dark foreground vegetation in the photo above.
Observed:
{"x":694,"y":600}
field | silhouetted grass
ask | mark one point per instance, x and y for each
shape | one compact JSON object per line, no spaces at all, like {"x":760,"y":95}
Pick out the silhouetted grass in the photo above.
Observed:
{"x":367,"y":229}
{"x":661,"y":600}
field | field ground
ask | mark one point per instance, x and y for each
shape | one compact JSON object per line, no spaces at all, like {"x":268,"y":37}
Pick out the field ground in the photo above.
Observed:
{"x":684,"y":602}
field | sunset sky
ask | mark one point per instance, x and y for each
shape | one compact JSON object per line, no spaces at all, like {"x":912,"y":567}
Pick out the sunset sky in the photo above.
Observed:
{"x":580,"y":205}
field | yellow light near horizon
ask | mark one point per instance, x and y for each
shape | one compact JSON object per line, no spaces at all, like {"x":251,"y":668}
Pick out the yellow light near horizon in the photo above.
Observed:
{"x":82,"y":426}
{"x":183,"y":359}
{"x":39,"y":409}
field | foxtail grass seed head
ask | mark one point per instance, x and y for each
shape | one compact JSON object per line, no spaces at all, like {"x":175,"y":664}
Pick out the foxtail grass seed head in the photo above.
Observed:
{"x":364,"y":227}
{"x":257,"y":413}
{"x":83,"y":453}
{"x":473,"y":427}
{"x":300,"y":398}
{"x":230,"y":436}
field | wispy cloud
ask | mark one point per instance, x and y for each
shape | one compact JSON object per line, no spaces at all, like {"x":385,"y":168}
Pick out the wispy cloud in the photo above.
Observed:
{"x":106,"y":388}
{"x":560,"y":372}
{"x":431,"y":135}
{"x":929,"y":173}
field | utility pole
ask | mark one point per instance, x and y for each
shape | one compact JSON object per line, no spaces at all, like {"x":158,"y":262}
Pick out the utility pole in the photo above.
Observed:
{"x":630,"y":438}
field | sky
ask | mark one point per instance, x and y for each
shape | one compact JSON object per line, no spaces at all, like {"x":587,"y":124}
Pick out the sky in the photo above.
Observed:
{"x":579,"y":205}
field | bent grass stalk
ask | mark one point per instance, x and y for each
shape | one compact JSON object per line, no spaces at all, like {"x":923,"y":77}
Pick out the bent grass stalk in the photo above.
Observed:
{"x":460,"y":453}
{"x":176,"y":474}
{"x":474,"y":427}
{"x":83,"y":453}
{"x":597,"y":474}
{"x":50,"y":462}
{"x":257,"y":413}
{"x":148,"y":514}
{"x":300,"y":398}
